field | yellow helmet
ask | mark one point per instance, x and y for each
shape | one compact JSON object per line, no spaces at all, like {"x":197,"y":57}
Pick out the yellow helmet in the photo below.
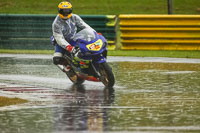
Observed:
{"x":65,"y":10}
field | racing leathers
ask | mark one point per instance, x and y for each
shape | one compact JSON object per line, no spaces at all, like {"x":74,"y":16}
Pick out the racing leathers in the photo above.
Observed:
{"x":63,"y":32}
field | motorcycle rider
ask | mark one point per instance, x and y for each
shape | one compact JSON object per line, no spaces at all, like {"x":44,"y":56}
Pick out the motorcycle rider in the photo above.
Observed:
{"x":64,"y":29}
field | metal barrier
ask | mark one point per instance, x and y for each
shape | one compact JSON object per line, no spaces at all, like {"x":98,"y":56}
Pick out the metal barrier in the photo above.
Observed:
{"x":34,"y":31}
{"x":160,"y":32}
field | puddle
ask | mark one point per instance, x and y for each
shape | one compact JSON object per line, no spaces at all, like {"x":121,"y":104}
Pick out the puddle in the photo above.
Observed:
{"x":158,"y":95}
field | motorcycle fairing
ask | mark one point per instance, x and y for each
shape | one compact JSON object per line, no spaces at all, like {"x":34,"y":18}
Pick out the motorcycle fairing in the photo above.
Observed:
{"x":92,"y":51}
{"x":96,"y":46}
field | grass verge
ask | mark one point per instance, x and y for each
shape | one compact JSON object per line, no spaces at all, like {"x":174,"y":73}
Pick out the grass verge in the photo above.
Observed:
{"x":5,"y":101}
{"x":134,"y":53}
{"x":13,"y":51}
{"x":113,"y":7}
{"x":156,"y":53}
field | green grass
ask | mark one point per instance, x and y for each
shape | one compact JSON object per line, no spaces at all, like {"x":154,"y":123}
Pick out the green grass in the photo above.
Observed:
{"x":13,"y":51}
{"x":135,"y":53}
{"x":113,"y":7}
{"x":156,"y":53}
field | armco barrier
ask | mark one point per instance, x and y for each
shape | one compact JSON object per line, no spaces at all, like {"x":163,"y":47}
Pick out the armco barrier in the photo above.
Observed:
{"x":160,"y":32}
{"x":34,"y":31}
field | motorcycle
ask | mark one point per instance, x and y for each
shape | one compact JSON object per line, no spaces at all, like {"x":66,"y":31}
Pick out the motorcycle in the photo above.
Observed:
{"x":88,"y":59}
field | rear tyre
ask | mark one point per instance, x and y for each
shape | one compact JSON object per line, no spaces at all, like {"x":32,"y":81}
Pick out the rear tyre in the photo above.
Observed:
{"x":107,"y":76}
{"x":74,"y":78}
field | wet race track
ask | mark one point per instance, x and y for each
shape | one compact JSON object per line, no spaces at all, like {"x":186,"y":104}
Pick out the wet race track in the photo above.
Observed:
{"x":151,"y":95}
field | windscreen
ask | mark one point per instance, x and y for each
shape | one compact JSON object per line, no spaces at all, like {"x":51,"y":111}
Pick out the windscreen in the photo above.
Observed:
{"x":86,"y":34}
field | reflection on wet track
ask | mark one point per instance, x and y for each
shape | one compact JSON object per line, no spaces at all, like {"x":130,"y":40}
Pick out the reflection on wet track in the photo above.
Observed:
{"x":151,"y":95}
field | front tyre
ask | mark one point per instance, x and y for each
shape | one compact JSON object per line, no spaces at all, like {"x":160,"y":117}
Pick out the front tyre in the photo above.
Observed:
{"x":107,"y":77}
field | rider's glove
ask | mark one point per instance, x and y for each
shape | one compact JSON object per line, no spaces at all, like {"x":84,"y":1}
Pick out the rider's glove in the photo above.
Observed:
{"x":75,"y":51}
{"x":69,"y":48}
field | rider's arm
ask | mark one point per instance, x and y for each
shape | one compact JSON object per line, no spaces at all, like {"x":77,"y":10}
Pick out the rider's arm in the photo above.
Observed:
{"x":58,"y":35}
{"x":80,"y":23}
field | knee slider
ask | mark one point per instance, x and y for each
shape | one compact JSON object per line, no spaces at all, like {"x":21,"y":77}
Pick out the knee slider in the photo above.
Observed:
{"x":57,"y":60}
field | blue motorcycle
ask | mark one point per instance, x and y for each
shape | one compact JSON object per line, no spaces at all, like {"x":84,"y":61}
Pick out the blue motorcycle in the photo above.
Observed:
{"x":88,"y":60}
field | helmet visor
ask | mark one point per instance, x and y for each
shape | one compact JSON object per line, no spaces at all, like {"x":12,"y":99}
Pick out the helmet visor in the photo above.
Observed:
{"x":65,"y":12}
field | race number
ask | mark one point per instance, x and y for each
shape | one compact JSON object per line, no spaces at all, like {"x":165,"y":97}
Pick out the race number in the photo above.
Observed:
{"x":96,"y":46}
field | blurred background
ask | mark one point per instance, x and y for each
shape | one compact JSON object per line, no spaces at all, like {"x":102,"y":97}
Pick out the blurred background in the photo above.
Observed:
{"x":28,"y":23}
{"x":106,"y":7}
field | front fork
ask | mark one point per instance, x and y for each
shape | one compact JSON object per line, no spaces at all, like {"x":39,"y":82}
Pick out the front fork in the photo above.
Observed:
{"x":95,"y":65}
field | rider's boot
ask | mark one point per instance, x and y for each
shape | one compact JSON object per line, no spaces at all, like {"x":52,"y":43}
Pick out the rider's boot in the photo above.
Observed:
{"x":63,"y":65}
{"x":66,"y":68}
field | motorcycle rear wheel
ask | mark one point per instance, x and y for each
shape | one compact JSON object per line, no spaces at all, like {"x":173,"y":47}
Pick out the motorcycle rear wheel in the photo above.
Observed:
{"x":107,"y":76}
{"x":74,"y":78}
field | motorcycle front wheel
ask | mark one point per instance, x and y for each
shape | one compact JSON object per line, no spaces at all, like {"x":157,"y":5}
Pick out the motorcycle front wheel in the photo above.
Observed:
{"x":107,"y":76}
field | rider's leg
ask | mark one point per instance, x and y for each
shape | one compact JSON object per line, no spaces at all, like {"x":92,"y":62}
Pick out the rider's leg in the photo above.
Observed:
{"x":58,"y":59}
{"x":58,"y":55}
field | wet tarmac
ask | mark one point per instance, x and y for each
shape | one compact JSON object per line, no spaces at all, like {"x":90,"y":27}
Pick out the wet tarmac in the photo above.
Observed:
{"x":151,"y":95}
